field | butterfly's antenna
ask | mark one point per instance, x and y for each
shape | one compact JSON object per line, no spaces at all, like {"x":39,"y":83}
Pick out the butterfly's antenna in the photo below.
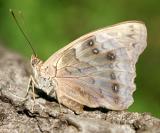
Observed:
{"x":20,"y":28}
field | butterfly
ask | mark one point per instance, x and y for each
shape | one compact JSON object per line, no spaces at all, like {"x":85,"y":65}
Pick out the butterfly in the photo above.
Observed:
{"x":96,"y":70}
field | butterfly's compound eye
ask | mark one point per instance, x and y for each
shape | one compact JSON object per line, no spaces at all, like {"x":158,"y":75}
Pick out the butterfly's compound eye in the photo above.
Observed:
{"x":35,"y":61}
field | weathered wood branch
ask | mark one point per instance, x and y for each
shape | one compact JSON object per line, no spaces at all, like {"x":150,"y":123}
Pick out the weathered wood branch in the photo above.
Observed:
{"x":24,"y":115}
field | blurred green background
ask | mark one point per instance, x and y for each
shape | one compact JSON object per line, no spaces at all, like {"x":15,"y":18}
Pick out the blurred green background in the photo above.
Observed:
{"x":51,"y":24}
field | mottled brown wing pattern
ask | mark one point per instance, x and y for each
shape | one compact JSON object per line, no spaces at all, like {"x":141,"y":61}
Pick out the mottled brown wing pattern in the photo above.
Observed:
{"x":98,"y":70}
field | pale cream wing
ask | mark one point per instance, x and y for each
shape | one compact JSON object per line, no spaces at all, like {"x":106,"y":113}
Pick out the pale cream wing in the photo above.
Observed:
{"x":98,"y":69}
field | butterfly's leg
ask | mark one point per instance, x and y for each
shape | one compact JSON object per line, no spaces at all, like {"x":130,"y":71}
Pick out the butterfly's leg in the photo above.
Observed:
{"x":31,"y":84}
{"x":31,"y":81}
{"x":33,"y":91}
{"x":28,"y":87}
{"x":18,"y":97}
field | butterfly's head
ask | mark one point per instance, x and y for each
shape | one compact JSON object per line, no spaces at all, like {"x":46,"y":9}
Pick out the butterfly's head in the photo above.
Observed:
{"x":35,"y":61}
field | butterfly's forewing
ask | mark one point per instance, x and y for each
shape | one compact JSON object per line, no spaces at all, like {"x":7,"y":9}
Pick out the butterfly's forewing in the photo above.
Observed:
{"x":98,"y":69}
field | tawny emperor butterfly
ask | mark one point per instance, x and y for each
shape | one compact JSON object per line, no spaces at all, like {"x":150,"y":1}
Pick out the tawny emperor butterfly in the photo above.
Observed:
{"x":96,"y":70}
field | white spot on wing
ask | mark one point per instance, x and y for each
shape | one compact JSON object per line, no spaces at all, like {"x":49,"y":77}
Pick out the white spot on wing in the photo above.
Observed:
{"x":102,"y":37}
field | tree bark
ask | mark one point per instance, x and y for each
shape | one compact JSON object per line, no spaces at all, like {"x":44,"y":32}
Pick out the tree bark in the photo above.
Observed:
{"x":24,"y":115}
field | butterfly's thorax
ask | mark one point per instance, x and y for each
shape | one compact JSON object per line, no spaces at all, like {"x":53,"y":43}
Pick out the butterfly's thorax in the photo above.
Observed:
{"x":44,"y":77}
{"x":48,"y":85}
